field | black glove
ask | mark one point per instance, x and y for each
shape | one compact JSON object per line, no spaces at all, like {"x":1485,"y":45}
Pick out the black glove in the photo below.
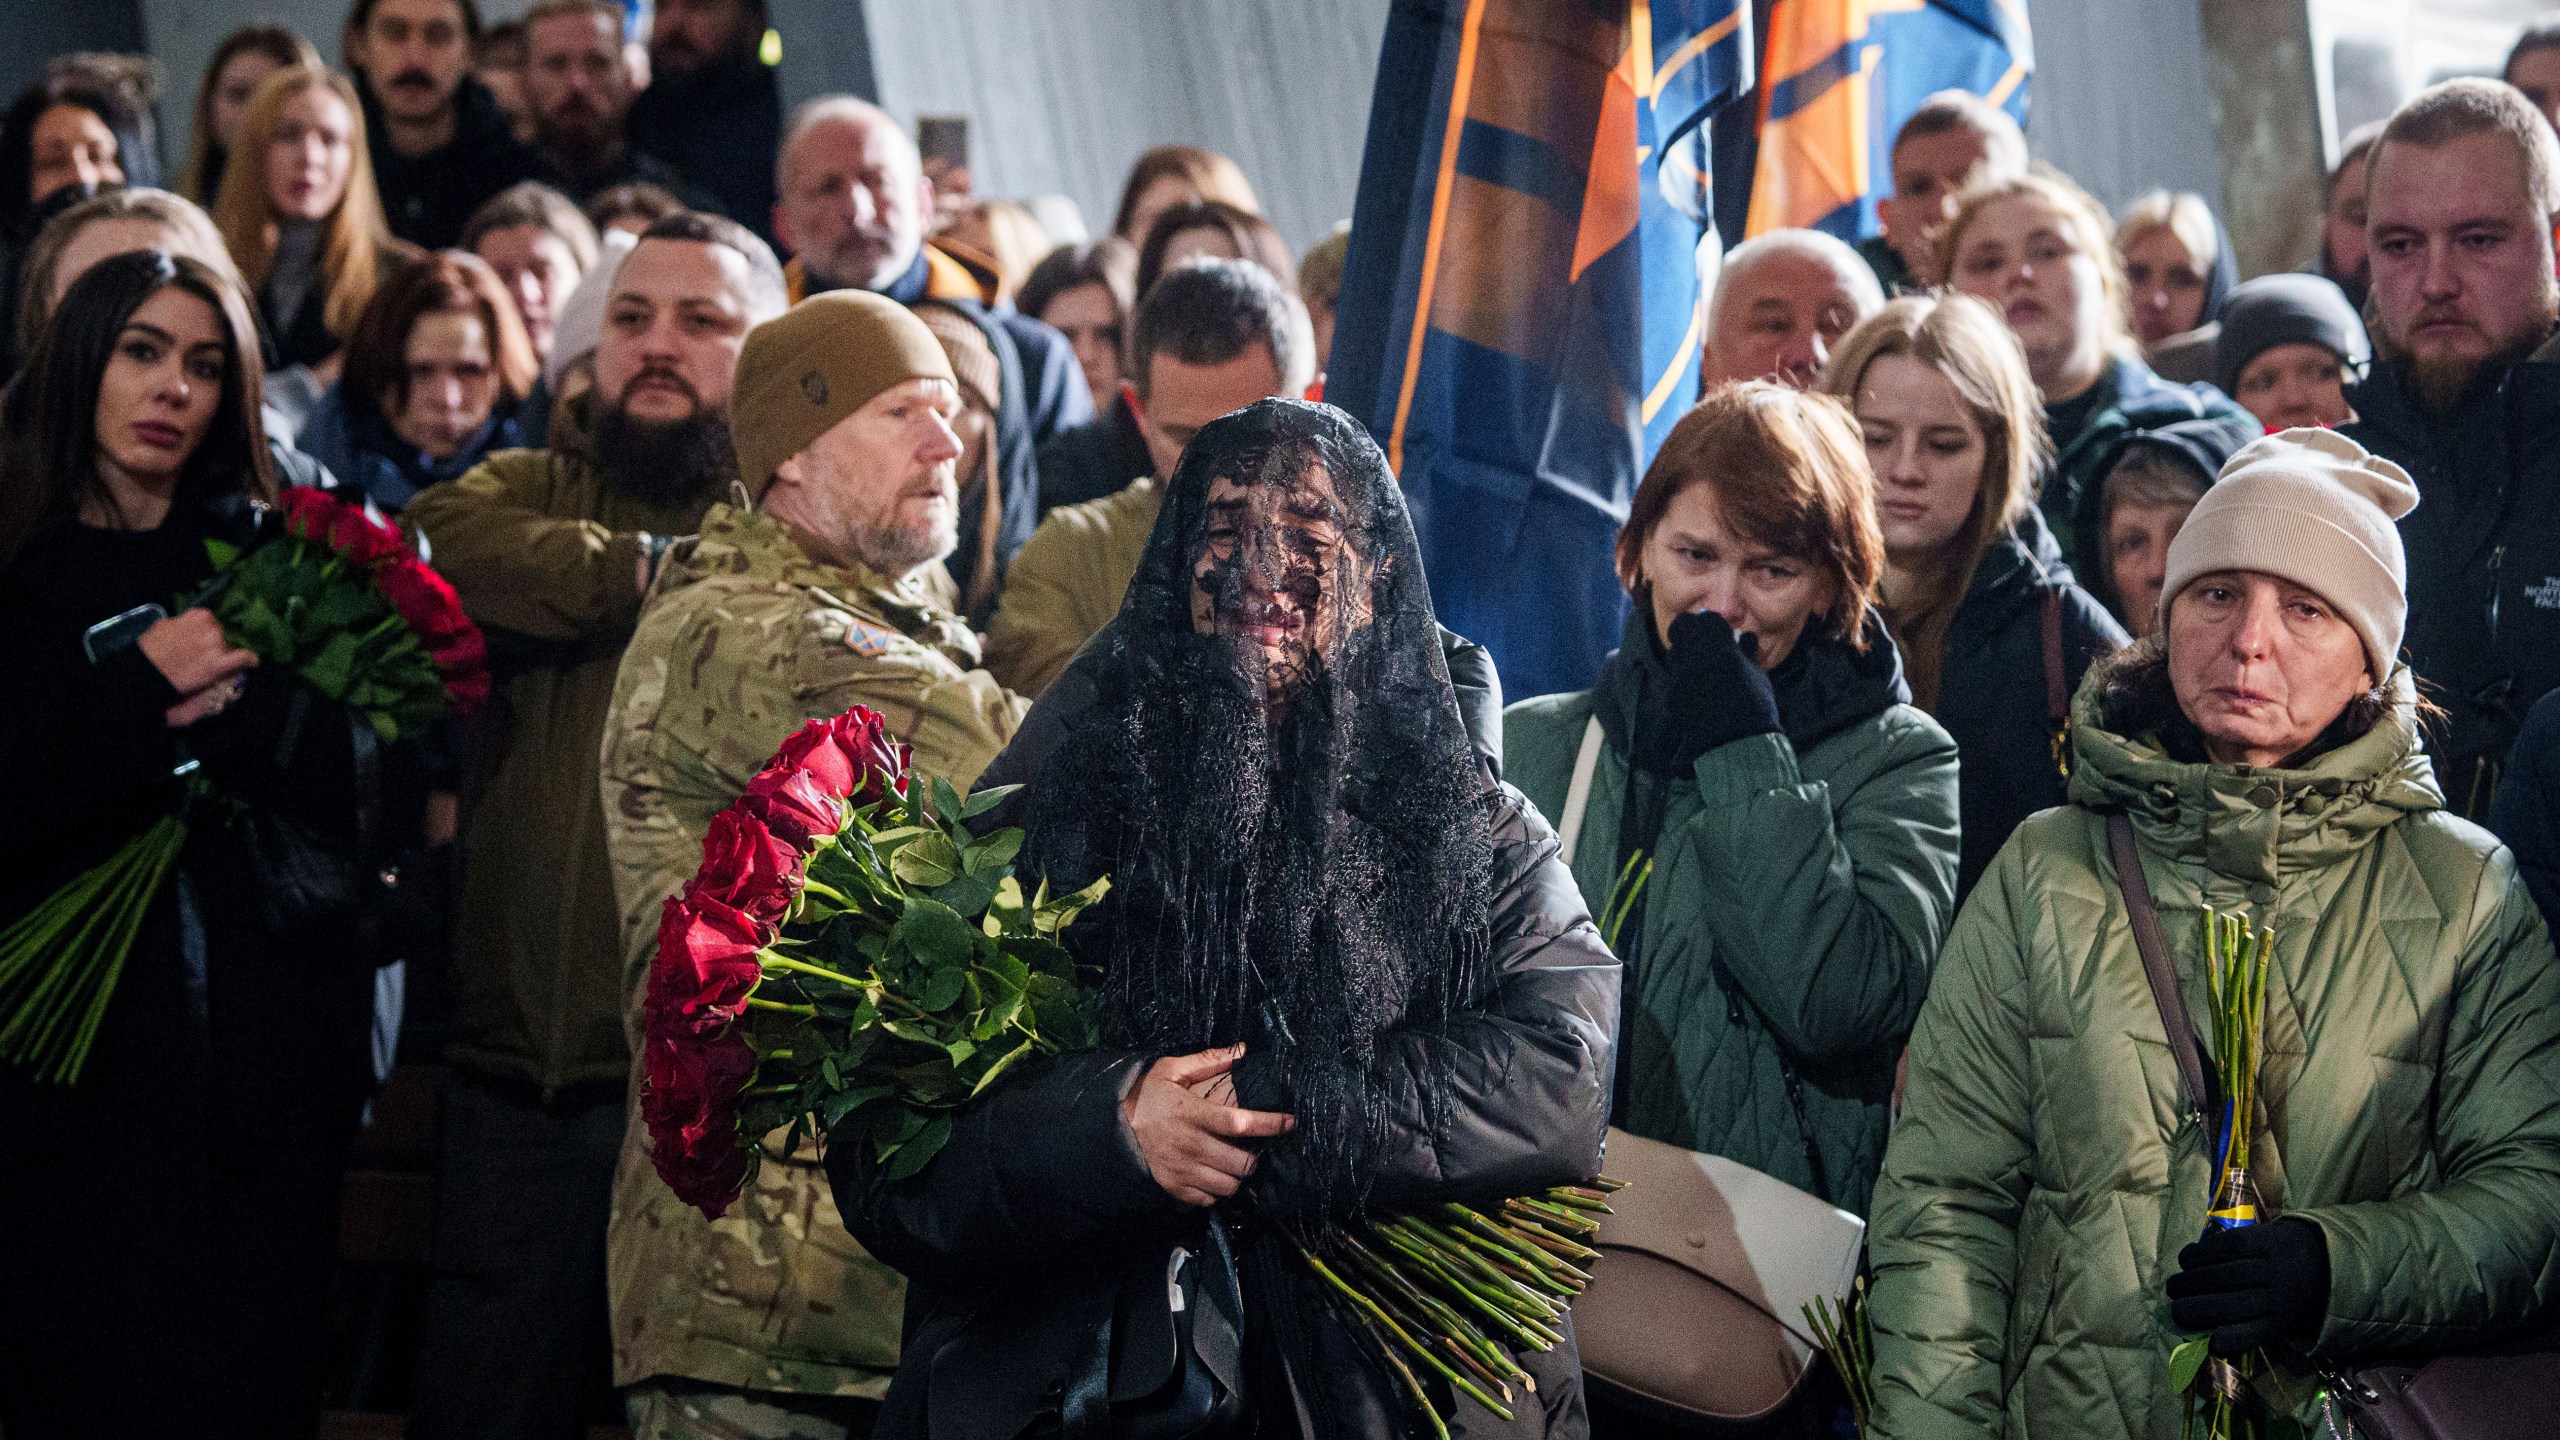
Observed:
{"x":2253,"y":1285}
{"x":1719,"y":694}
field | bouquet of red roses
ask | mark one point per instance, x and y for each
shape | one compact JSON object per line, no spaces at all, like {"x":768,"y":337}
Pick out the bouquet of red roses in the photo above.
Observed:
{"x":851,"y":962}
{"x":333,"y":595}
{"x":847,"y":953}
{"x":339,"y":598}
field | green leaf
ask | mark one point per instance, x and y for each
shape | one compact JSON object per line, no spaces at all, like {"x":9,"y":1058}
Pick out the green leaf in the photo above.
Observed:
{"x":2186,"y":1361}
{"x":934,"y":933}
{"x":946,"y":802}
{"x":960,"y":1051}
{"x":967,"y":894}
{"x":929,"y":862}
{"x":1003,"y":1063}
{"x":224,"y":553}
{"x":944,"y":990}
{"x":982,"y":801}
{"x":994,"y":852}
{"x":914,"y":1154}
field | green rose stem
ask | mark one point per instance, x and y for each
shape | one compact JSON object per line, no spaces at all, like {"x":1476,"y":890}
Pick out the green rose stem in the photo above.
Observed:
{"x":1378,"y":1316}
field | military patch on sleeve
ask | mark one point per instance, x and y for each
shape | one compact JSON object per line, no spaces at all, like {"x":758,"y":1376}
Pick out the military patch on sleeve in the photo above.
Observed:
{"x":869,"y":640}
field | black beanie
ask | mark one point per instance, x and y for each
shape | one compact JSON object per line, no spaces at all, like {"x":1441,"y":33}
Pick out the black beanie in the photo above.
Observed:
{"x":2277,"y":310}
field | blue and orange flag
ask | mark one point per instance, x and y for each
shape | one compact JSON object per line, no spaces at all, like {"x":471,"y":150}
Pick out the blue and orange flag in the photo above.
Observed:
{"x":1842,"y":77}
{"x":1518,"y":323}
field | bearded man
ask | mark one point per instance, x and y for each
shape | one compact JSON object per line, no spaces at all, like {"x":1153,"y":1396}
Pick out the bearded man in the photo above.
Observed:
{"x":551,"y":551}
{"x":1341,"y":966}
{"x":2461,"y":194}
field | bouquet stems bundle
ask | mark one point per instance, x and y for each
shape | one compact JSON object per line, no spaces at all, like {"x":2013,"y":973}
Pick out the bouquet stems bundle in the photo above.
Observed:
{"x":2238,"y":957}
{"x":851,"y":962}
{"x":54,"y":1006}
{"x":1459,"y":1288}
{"x":1842,"y":1332}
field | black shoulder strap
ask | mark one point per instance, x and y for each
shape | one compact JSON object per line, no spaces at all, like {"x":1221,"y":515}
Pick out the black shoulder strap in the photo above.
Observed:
{"x":2154,"y":946}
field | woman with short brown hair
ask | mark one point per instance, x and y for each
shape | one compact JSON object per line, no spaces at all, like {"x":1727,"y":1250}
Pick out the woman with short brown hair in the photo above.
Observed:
{"x":1749,"y":799}
{"x":1171,"y":175}
{"x":436,"y":370}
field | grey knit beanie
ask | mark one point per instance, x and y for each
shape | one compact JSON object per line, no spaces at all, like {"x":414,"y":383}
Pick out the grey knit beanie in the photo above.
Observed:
{"x":2313,"y":507}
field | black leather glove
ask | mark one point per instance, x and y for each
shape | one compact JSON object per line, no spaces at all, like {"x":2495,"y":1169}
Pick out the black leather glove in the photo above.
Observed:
{"x":2253,"y":1285}
{"x":1719,"y":694}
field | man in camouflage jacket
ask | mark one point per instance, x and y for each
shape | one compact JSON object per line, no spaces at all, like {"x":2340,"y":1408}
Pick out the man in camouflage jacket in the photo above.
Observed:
{"x":771,"y":1320}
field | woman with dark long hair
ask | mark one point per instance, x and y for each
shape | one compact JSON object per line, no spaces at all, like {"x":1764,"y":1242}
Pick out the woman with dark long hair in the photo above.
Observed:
{"x":63,"y":140}
{"x":200,"y":1145}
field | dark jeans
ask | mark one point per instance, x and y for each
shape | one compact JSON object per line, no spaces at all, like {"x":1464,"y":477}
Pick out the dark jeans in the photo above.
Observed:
{"x":515,"y":1326}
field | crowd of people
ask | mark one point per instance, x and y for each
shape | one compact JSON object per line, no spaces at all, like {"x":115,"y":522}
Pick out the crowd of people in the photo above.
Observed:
{"x":2017,"y":547}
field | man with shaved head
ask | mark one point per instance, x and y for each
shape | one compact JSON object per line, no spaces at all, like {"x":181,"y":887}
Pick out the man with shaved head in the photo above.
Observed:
{"x":1781,"y":301}
{"x":853,"y":203}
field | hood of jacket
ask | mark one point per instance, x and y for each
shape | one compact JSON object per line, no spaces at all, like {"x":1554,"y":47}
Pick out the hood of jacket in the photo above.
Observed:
{"x":2253,"y":823}
{"x":1823,"y":686}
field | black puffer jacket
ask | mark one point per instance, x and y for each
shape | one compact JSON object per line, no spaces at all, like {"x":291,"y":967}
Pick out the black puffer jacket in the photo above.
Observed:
{"x":2484,"y":556}
{"x":1991,"y":686}
{"x":1040,"y":1208}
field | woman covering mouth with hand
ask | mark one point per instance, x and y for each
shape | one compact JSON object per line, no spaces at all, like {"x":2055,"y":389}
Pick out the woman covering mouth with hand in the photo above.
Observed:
{"x":1754,"y":739}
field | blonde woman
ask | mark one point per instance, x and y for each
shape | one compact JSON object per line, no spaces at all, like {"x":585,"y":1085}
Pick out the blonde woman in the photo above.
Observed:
{"x":2177,"y":269}
{"x":300,"y":215}
{"x":1974,"y":586}
{"x":2042,"y":254}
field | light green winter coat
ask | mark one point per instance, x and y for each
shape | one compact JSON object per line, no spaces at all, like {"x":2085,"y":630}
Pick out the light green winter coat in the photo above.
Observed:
{"x":2046,"y":1171}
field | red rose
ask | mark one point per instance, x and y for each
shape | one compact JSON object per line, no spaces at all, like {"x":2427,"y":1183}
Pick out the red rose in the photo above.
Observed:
{"x":425,"y":601}
{"x":688,"y":1100}
{"x":745,"y":866}
{"x":468,"y":691}
{"x":706,"y":962}
{"x":307,"y":512}
{"x":793,"y":805}
{"x":850,"y":755}
{"x":362,"y":539}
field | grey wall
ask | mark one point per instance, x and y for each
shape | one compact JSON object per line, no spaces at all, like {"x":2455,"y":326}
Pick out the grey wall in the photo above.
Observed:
{"x":2120,"y":98}
{"x":1064,"y":94}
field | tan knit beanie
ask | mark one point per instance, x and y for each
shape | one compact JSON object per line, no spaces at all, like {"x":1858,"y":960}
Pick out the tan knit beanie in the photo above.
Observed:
{"x":2313,"y":507}
{"x":815,"y":363}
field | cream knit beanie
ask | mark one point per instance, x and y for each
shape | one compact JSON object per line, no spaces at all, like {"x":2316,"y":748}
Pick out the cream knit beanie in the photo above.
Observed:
{"x":2313,"y":507}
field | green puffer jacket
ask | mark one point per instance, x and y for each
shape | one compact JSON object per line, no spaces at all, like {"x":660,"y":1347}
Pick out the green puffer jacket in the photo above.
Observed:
{"x":1819,"y":864}
{"x":2046,"y":1171}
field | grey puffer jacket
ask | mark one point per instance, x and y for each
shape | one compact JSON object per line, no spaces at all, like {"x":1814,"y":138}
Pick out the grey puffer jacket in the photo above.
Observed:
{"x":1040,"y":1208}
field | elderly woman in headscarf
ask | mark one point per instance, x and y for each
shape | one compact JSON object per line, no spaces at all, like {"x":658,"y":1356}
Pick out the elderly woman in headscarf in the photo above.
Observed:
{"x":1341,"y":966}
{"x":2035,"y":1229}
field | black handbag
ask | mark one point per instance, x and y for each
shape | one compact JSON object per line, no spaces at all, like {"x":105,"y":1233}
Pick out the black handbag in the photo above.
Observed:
{"x":2480,"y":1394}
{"x":1165,"y":1360}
